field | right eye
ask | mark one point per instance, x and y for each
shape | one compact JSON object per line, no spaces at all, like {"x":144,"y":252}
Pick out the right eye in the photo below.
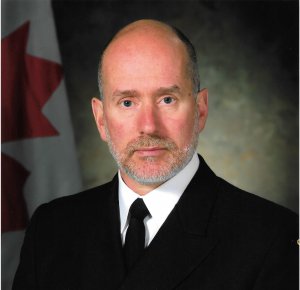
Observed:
{"x":126,"y":103}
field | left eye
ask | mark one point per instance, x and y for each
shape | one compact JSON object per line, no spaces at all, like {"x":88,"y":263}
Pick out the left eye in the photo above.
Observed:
{"x":168,"y":100}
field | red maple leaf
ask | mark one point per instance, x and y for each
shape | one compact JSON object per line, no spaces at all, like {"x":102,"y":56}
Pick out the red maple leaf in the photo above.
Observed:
{"x":27,"y":84}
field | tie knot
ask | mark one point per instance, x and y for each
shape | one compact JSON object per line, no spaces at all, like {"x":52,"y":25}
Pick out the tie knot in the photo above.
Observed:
{"x":138,"y":209}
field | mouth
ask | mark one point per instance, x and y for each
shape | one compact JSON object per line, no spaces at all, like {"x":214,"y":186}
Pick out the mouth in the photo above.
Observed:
{"x":150,"y":151}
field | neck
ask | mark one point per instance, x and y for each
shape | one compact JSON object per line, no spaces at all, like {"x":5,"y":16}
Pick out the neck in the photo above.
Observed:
{"x":140,"y":189}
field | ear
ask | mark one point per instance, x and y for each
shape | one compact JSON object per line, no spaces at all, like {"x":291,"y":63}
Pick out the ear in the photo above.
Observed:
{"x":97,"y":106}
{"x":202,"y":104}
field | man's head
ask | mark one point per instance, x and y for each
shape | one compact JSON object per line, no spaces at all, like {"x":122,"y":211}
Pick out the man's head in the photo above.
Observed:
{"x":151,"y":111}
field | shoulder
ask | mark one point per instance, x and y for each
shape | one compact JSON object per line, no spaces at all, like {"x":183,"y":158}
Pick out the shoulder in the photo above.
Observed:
{"x":235,"y":208}
{"x":233,"y":201}
{"x":87,"y":196}
{"x":76,"y":209}
{"x":240,"y":209}
{"x":243,"y":202}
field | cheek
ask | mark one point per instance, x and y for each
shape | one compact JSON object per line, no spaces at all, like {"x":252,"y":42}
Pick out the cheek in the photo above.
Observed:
{"x":181,"y":129}
{"x":120,"y":132}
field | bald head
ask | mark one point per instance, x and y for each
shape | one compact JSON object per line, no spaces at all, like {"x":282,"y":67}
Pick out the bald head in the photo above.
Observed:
{"x":151,"y":35}
{"x":145,"y":26}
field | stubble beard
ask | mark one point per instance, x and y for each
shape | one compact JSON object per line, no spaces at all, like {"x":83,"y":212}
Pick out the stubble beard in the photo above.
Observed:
{"x":149,"y":173}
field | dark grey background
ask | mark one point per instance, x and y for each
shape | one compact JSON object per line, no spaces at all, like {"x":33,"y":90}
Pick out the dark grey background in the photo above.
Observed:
{"x":248,"y":60}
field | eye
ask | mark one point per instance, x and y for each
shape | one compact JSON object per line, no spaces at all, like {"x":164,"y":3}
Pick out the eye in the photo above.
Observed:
{"x":168,"y":100}
{"x":126,"y":103}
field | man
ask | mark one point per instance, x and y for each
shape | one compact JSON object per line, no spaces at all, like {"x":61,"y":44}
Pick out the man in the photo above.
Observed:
{"x":166,"y":221}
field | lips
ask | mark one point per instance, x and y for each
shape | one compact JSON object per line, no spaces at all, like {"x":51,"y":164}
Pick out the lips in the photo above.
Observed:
{"x":150,"y":151}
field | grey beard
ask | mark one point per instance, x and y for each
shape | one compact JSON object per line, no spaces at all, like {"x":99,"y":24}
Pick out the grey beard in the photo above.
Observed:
{"x":185,"y":154}
{"x":161,"y":178}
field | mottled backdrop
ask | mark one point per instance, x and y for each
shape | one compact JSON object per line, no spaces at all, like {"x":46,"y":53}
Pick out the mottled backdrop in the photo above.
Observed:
{"x":248,"y":60}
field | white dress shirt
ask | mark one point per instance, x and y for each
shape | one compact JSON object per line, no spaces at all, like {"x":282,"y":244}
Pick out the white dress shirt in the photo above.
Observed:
{"x":159,"y":201}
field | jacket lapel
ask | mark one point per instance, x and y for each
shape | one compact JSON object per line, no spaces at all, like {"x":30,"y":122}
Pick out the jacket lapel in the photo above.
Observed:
{"x":185,"y":239}
{"x":103,"y":265}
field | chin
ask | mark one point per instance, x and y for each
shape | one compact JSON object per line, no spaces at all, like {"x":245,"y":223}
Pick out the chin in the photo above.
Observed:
{"x":151,"y":173}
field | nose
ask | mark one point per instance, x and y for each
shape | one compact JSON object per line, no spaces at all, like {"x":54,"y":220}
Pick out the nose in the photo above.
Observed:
{"x":148,"y":121}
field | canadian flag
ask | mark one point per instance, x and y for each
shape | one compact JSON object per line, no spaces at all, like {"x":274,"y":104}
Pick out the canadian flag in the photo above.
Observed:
{"x":38,"y":158}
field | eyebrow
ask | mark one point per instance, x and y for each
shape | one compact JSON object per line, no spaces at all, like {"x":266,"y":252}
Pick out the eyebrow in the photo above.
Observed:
{"x":125,"y":93}
{"x":160,"y":91}
{"x":167,"y":90}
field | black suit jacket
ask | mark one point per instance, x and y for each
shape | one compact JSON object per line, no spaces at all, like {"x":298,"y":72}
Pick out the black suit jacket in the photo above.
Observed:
{"x":216,"y":237}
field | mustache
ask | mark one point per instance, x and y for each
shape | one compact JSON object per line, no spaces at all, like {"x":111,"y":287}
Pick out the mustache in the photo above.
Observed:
{"x":150,"y":141}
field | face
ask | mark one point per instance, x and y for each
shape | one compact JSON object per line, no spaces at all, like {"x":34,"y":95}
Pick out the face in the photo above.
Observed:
{"x":149,"y":116}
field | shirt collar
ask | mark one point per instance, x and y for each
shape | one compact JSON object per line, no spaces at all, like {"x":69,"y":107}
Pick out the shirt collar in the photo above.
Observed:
{"x":162,"y":199}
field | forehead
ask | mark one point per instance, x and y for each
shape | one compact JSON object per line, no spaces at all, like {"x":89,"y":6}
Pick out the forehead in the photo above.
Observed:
{"x":144,"y":55}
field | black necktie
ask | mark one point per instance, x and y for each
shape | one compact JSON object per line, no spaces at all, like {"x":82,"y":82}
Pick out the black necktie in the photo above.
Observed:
{"x":135,"y":236}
